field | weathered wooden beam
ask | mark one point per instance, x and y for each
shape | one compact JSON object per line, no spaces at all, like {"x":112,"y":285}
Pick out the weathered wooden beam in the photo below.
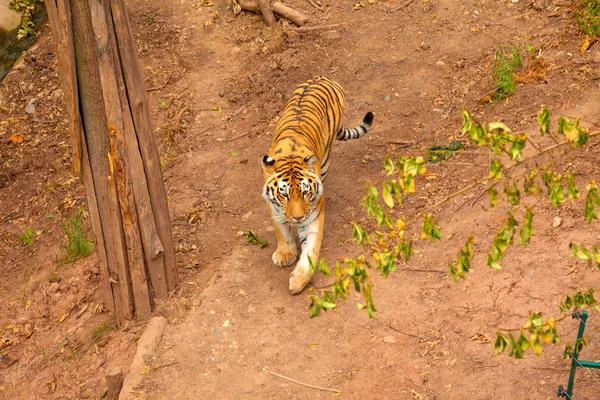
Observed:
{"x":109,"y":71}
{"x":138,"y":102}
{"x":93,"y":114}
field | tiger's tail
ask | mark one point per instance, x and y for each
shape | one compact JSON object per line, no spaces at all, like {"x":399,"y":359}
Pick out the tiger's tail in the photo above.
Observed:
{"x":355,"y":133}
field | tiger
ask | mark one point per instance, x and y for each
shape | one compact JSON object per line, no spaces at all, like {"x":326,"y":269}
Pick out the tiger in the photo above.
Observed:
{"x":296,"y":167}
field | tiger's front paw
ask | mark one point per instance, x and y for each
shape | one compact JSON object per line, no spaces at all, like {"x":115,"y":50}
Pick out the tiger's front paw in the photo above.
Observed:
{"x":299,"y":278}
{"x":285,"y":256}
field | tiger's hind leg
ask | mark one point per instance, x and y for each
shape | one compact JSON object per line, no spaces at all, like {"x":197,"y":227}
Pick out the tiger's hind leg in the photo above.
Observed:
{"x":310,"y":236}
{"x":286,"y":253}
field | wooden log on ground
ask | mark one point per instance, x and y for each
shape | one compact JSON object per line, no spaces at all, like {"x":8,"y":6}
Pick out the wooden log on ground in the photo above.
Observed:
{"x":287,"y":12}
{"x":280,"y":9}
{"x":267,"y":13}
{"x":114,"y":382}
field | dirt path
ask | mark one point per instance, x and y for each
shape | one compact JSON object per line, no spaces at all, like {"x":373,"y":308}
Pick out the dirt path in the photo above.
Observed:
{"x":217,"y":83}
{"x":416,"y":68}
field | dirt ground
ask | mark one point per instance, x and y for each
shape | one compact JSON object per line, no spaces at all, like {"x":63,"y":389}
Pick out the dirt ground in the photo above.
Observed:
{"x":216,"y":84}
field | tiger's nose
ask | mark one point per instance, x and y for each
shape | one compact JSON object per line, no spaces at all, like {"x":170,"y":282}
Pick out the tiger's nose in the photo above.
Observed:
{"x":297,"y":219}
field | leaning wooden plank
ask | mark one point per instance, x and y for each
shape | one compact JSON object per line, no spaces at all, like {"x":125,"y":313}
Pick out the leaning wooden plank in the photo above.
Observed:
{"x":143,"y":126}
{"x":152,"y":245}
{"x":59,"y":15}
{"x":114,"y":115}
{"x":102,"y":170}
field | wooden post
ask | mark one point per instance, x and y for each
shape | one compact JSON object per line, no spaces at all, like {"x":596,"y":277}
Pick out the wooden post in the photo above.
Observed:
{"x":114,"y":382}
{"x":115,"y":152}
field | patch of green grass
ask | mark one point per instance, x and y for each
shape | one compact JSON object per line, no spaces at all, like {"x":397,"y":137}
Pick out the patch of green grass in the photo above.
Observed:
{"x":55,"y":277}
{"x":99,"y":331}
{"x":27,"y":237}
{"x":78,"y":245}
{"x":507,"y":62}
{"x":588,"y":17}
{"x":252,"y":237}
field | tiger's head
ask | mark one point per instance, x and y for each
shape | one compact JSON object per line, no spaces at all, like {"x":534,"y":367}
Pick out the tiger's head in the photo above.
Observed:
{"x":292,"y":187}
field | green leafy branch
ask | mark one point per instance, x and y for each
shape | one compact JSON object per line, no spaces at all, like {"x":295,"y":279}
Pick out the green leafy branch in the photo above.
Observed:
{"x":532,"y":336}
{"x":390,"y":243}
{"x":27,"y":8}
{"x":546,"y":331}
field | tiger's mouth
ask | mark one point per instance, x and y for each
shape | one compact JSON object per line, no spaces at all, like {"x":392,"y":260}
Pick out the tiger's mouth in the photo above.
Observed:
{"x":296,"y":221}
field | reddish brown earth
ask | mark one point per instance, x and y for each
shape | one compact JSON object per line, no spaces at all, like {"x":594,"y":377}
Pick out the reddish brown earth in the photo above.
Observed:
{"x":217,"y":83}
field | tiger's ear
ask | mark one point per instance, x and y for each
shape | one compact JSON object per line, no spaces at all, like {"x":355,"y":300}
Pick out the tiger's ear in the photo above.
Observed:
{"x":310,"y":162}
{"x":268,"y":163}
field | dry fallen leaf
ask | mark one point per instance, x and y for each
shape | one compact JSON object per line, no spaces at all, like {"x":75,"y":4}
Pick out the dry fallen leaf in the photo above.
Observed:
{"x":16,"y":139}
{"x":586,"y":43}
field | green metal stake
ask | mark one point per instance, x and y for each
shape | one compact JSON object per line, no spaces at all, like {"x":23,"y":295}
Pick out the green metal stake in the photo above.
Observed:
{"x":582,"y":315}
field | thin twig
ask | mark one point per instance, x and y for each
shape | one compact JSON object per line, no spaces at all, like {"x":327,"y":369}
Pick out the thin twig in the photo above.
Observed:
{"x":534,"y":145}
{"x":236,"y":113}
{"x":321,"y":287}
{"x":304,"y":384}
{"x":479,"y":195}
{"x":318,"y":27}
{"x":480,"y":181}
{"x":203,"y":131}
{"x":458,"y":208}
{"x":162,"y":86}
{"x":238,"y":136}
{"x":315,"y":5}
{"x":167,"y":365}
{"x":404,"y":333}
{"x":402,"y":6}
{"x":421,"y":270}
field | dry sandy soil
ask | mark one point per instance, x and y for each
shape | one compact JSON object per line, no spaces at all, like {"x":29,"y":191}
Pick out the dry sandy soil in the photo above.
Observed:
{"x":217,"y":83}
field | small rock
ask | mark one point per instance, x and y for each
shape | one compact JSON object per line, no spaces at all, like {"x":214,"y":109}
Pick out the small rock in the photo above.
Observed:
{"x":557,"y":222}
{"x":389,"y":339}
{"x":246,"y":216}
{"x":251,"y":308}
{"x":440,"y":64}
{"x":16,"y":330}
{"x":387,"y":98}
{"x":226,"y":324}
{"x":217,"y":332}
{"x":27,"y":327}
{"x":30,"y":109}
{"x":542,"y":382}
{"x":235,"y":50}
{"x":54,"y":287}
{"x":221,"y":92}
{"x":424,"y":46}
